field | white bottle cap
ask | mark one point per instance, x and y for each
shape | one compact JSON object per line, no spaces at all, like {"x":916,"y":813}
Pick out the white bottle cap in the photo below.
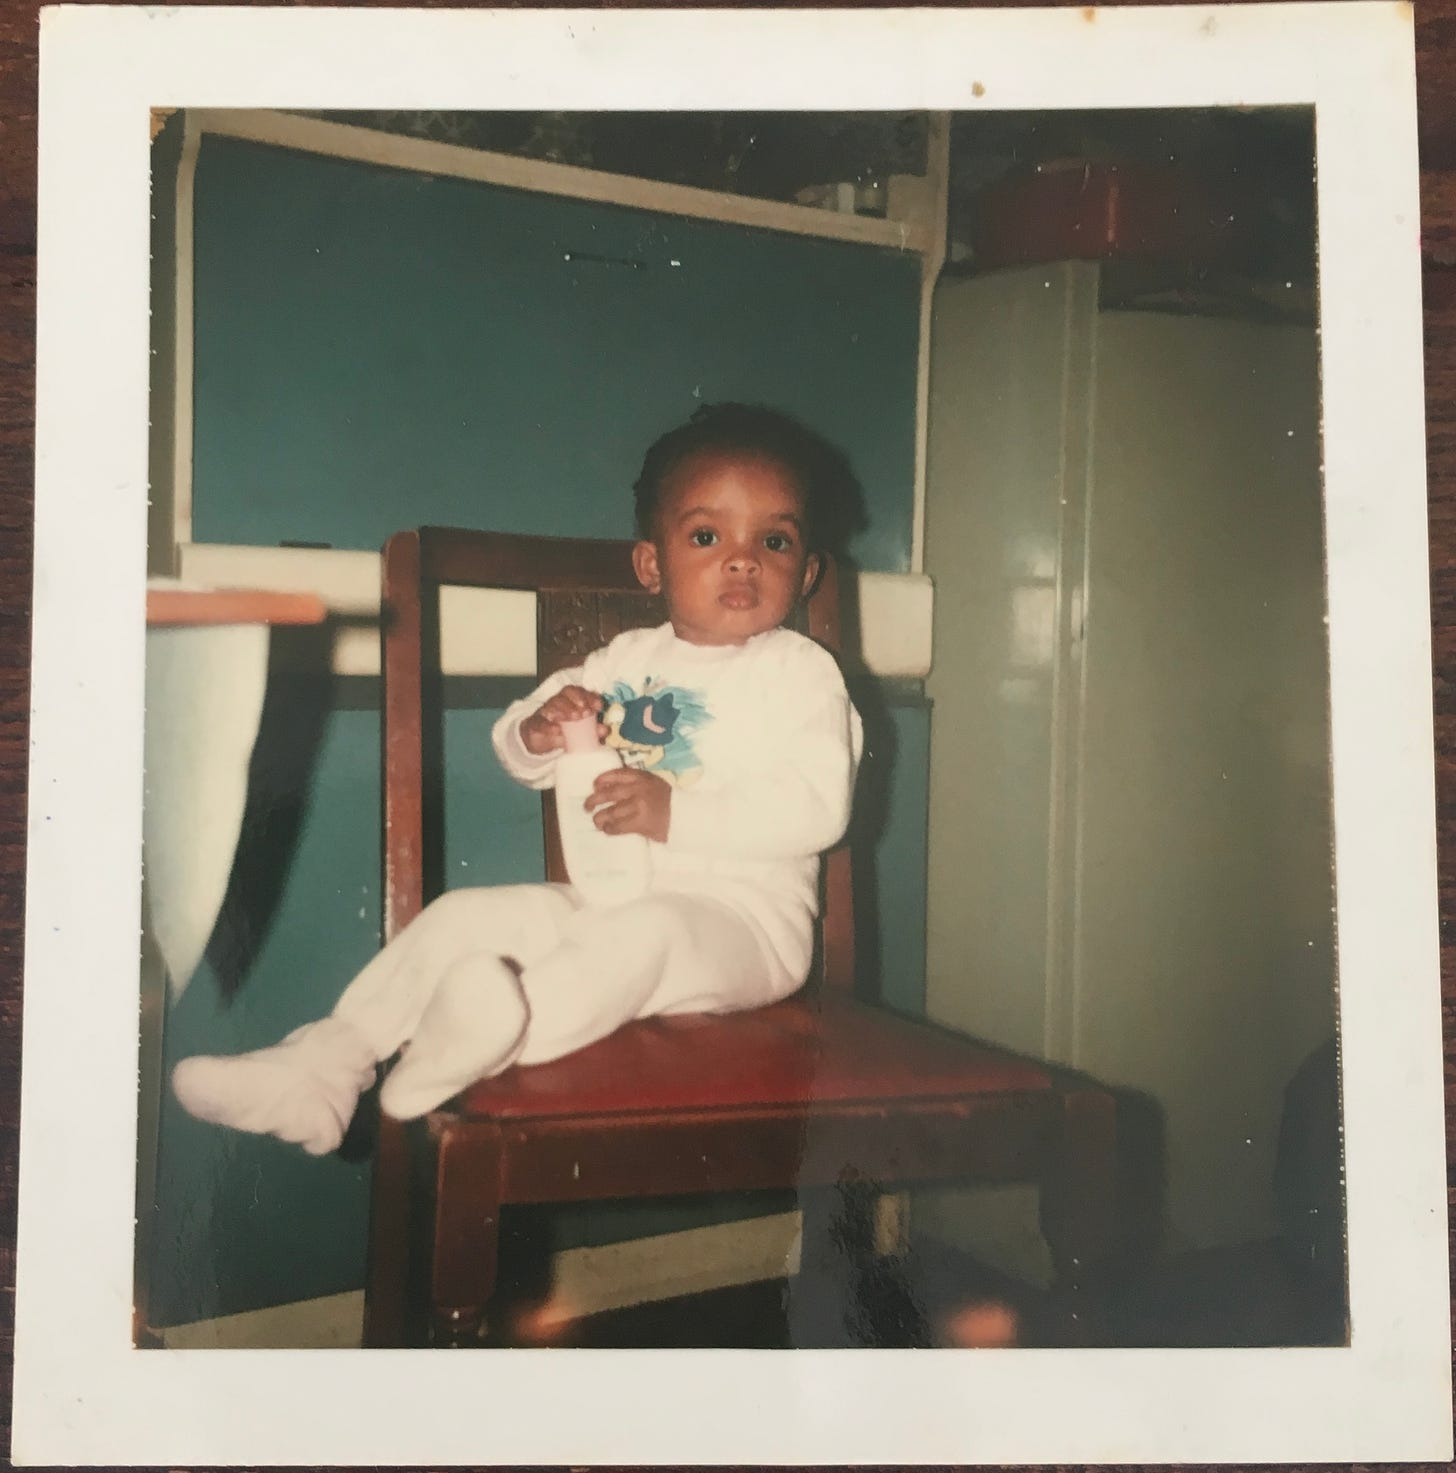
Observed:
{"x":581,"y":735}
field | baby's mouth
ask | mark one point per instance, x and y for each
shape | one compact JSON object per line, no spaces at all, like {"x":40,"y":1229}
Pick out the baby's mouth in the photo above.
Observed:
{"x":741,"y":596}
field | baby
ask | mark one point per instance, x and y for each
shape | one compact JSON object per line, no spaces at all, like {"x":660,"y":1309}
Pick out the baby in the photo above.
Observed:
{"x":740,"y":748}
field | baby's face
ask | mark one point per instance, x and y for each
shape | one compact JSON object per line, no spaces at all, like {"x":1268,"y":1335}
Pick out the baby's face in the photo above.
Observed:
{"x":729,"y":554}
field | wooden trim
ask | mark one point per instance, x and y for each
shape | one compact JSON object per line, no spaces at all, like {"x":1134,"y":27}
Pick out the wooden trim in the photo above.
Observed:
{"x":400,"y":628}
{"x":837,"y":917}
{"x":173,"y":606}
{"x":463,"y":1253}
{"x":392,"y":1205}
{"x":452,"y":160}
{"x":493,"y":560}
{"x":1078,"y":1209}
{"x":837,"y":921}
{"x":823,"y":606}
{"x":933,"y":232}
{"x":385,"y":1320}
{"x":999,"y":1137}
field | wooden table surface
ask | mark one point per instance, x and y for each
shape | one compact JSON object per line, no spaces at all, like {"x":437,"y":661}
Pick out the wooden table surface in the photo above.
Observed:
{"x":1436,"y":43}
{"x":173,"y":607}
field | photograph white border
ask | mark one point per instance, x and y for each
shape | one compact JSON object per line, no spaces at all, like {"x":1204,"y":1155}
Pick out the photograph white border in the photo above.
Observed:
{"x":82,"y":1394}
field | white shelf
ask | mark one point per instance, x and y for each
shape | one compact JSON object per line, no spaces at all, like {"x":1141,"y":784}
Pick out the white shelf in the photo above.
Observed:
{"x":425,"y":156}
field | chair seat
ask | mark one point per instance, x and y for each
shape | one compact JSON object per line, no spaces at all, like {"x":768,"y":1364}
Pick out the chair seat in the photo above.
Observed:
{"x":806,"y":1051}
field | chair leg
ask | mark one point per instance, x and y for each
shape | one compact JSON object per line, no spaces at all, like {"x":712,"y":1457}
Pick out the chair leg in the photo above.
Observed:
{"x":849,"y":1293}
{"x":824,"y":1294}
{"x":386,"y":1320}
{"x":460,"y":1328}
{"x":1078,"y":1208}
{"x":467,"y":1201}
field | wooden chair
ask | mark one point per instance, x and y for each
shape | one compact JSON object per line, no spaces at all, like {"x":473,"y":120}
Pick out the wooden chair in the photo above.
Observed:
{"x":818,"y":1090}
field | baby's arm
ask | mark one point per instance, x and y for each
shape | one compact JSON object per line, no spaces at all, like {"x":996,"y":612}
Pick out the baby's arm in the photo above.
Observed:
{"x":792,"y":796}
{"x":528,"y":735}
{"x":541,"y":731}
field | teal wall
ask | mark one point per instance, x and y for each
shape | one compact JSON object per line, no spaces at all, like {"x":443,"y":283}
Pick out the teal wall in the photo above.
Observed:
{"x":377,"y":349}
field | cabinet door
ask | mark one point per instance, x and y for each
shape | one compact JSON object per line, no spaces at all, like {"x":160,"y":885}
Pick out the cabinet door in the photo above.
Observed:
{"x":1204,"y":966}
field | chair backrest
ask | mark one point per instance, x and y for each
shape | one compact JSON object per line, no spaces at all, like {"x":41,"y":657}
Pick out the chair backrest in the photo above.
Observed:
{"x":586,"y":592}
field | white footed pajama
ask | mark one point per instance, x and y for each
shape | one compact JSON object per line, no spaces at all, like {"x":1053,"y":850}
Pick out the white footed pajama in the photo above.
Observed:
{"x":583,"y":973}
{"x":447,"y":989}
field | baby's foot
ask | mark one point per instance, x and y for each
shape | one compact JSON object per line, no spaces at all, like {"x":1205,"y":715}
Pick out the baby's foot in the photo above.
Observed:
{"x":474,"y":1026}
{"x":302,"y":1090}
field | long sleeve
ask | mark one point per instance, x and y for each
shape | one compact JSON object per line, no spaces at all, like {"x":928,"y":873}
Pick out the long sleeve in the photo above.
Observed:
{"x":597,"y":672}
{"x":790,"y":792}
{"x":522,"y":764}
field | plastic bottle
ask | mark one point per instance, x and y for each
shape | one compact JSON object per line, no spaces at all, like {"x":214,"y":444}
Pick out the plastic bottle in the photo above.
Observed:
{"x":606,"y":868}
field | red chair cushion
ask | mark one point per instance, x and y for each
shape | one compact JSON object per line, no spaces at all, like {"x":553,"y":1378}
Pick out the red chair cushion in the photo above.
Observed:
{"x":819,"y":1051}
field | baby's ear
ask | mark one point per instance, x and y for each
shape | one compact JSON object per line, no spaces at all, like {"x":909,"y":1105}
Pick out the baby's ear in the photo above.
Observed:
{"x":644,"y":564}
{"x":813,"y":564}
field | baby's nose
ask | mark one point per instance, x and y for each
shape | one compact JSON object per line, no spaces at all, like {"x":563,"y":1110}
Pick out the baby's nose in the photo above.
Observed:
{"x":741,"y":558}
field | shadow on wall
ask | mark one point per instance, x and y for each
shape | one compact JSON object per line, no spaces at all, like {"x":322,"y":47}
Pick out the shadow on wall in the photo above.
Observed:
{"x":867,"y":826}
{"x":297,"y":702}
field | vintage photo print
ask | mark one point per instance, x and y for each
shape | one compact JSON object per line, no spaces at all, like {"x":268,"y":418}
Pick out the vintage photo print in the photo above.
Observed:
{"x":411,"y":383}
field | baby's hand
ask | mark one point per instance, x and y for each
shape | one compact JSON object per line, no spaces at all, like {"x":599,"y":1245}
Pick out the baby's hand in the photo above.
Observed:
{"x":631,"y":802}
{"x":541,"y":730}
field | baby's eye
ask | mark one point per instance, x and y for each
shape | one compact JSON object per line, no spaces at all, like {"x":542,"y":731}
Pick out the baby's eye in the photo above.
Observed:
{"x":703,"y":537}
{"x":778,"y":542}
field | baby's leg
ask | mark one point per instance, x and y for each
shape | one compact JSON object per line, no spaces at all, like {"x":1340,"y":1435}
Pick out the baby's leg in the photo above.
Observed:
{"x":305,"y":1088}
{"x":302,"y":1090}
{"x":474,"y":1026}
{"x":661,"y":954}
{"x":387,"y":1000}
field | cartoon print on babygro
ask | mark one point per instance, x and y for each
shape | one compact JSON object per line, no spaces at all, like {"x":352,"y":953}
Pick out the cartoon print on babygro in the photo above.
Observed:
{"x":654,"y":729}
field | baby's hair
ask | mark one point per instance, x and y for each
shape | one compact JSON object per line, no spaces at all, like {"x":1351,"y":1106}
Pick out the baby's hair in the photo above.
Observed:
{"x":832,"y":503}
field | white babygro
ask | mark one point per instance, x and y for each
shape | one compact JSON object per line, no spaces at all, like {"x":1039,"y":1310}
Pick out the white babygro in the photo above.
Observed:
{"x":760,"y":743}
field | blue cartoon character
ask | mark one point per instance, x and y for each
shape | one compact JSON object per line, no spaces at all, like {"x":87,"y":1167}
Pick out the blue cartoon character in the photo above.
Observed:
{"x":654,"y":730}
